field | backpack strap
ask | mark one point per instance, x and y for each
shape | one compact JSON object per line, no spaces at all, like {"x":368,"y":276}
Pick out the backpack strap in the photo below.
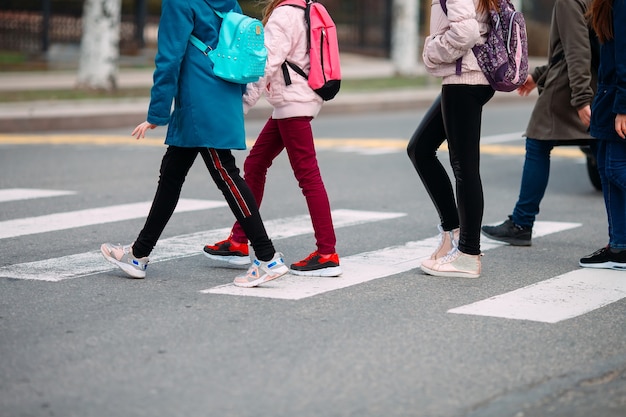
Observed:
{"x":200,"y":45}
{"x":220,"y":14}
{"x":291,"y":65}
{"x":296,"y":69}
{"x":444,"y":6}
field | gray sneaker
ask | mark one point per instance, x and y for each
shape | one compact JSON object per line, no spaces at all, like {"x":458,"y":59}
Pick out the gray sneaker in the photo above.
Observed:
{"x":260,"y":272}
{"x":509,"y":232}
{"x":122,"y":256}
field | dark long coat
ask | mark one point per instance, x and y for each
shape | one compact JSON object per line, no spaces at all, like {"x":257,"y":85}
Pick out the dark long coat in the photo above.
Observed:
{"x":569,"y":83}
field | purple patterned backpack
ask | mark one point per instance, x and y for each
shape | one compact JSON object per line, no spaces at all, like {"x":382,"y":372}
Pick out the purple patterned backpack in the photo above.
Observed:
{"x":503,"y":57}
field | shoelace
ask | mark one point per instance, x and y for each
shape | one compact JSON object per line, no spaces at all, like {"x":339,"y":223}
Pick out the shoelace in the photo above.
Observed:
{"x":600,"y":251}
{"x":451,"y":255}
{"x":311,"y":256}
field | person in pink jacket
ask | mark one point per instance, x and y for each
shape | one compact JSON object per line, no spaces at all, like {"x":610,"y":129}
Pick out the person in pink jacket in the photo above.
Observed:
{"x":289,"y":127}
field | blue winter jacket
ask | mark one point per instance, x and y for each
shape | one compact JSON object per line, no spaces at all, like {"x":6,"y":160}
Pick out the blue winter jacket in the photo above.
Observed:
{"x":208,"y":111}
{"x":610,"y":98}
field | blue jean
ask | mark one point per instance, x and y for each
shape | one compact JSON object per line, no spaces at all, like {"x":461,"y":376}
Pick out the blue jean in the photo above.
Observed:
{"x":612,"y":168}
{"x":534,"y":181}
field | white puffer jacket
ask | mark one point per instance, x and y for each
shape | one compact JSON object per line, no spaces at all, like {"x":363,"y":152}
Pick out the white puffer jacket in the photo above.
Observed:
{"x":452,"y":36}
{"x":285,"y":39}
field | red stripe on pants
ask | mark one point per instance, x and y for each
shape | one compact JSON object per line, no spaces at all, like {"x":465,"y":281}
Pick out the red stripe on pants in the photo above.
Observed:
{"x":232,"y":187}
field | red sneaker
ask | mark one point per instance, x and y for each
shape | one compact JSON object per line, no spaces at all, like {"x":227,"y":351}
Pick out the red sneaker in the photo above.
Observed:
{"x":228,"y":251}
{"x":316,"y":265}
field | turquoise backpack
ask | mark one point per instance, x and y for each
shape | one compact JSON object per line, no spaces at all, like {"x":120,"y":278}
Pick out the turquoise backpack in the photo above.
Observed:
{"x":240,"y":54}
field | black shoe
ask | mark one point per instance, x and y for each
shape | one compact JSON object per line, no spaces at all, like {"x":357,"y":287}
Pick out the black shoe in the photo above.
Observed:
{"x":605,"y":258}
{"x":510,"y":233}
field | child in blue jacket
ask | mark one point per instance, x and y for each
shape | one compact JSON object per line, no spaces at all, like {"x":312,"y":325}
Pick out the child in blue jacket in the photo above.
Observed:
{"x":207,"y":119}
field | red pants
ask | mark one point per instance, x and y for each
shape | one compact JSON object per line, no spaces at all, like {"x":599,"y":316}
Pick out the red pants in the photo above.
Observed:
{"x":295,"y":135}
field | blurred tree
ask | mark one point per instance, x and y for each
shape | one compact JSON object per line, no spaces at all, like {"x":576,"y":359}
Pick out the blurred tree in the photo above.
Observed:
{"x":404,"y":39}
{"x":99,"y":47}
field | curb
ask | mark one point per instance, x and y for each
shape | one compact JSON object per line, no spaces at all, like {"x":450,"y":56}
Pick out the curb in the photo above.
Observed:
{"x":103,"y":114}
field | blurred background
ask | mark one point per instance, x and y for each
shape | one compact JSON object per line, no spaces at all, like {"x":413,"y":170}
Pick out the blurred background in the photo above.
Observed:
{"x":46,"y":34}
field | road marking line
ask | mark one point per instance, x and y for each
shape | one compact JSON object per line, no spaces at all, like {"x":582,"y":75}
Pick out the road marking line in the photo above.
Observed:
{"x":505,"y":137}
{"x":386,"y":144}
{"x":364,"y":267}
{"x":78,"y":139}
{"x":80,"y":218}
{"x":556,"y":299}
{"x":89,"y":263}
{"x":15,"y":194}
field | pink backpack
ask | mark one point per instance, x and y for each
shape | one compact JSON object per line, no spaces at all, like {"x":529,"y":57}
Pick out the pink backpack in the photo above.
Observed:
{"x":324,"y":76}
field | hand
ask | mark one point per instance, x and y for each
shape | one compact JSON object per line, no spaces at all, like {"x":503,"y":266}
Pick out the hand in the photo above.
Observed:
{"x":585,"y":115}
{"x":140,"y":130}
{"x":620,"y":125}
{"x":528,"y":86}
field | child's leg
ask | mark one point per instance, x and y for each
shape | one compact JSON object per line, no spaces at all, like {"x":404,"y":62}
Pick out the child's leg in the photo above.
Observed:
{"x":534,"y":181}
{"x":422,"y":151}
{"x":614,"y":189}
{"x":267,"y":147}
{"x":221,"y":165}
{"x":462,"y":107}
{"x":298,"y":140}
{"x":174,"y":168}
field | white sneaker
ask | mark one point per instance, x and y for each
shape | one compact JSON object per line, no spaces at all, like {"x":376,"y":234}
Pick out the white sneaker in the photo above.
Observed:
{"x":122,"y":256}
{"x":448,"y":240}
{"x":260,"y":272}
{"x":454,"y":264}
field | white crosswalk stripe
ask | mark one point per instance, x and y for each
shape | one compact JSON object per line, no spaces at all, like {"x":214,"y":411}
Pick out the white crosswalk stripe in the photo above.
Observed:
{"x":556,"y":299}
{"x":88,"y":263}
{"x":15,"y":194}
{"x":89,"y":217}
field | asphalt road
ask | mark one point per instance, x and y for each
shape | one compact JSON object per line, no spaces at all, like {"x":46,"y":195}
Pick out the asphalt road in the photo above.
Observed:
{"x":87,"y":341}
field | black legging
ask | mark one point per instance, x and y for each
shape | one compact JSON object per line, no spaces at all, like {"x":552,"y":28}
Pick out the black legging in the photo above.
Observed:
{"x":221,"y":165}
{"x":456,"y":115}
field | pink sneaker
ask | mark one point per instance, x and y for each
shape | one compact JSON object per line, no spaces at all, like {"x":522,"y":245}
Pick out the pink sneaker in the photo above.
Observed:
{"x":260,"y":272}
{"x":454,"y":264}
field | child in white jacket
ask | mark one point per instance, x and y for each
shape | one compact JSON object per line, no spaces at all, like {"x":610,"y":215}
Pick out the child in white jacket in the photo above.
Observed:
{"x":289,"y":127}
{"x":455,"y":116}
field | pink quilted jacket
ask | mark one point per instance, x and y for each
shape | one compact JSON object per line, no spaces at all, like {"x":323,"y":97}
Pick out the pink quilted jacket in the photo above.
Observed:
{"x":285,"y":39}
{"x":452,"y":36}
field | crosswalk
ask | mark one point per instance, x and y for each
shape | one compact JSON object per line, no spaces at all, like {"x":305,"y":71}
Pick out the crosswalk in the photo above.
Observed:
{"x":550,"y":301}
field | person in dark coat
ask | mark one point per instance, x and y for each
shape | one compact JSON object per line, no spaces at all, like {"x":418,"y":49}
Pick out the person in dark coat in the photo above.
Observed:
{"x":207,"y":119}
{"x":561,"y":114}
{"x":608,"y":124}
